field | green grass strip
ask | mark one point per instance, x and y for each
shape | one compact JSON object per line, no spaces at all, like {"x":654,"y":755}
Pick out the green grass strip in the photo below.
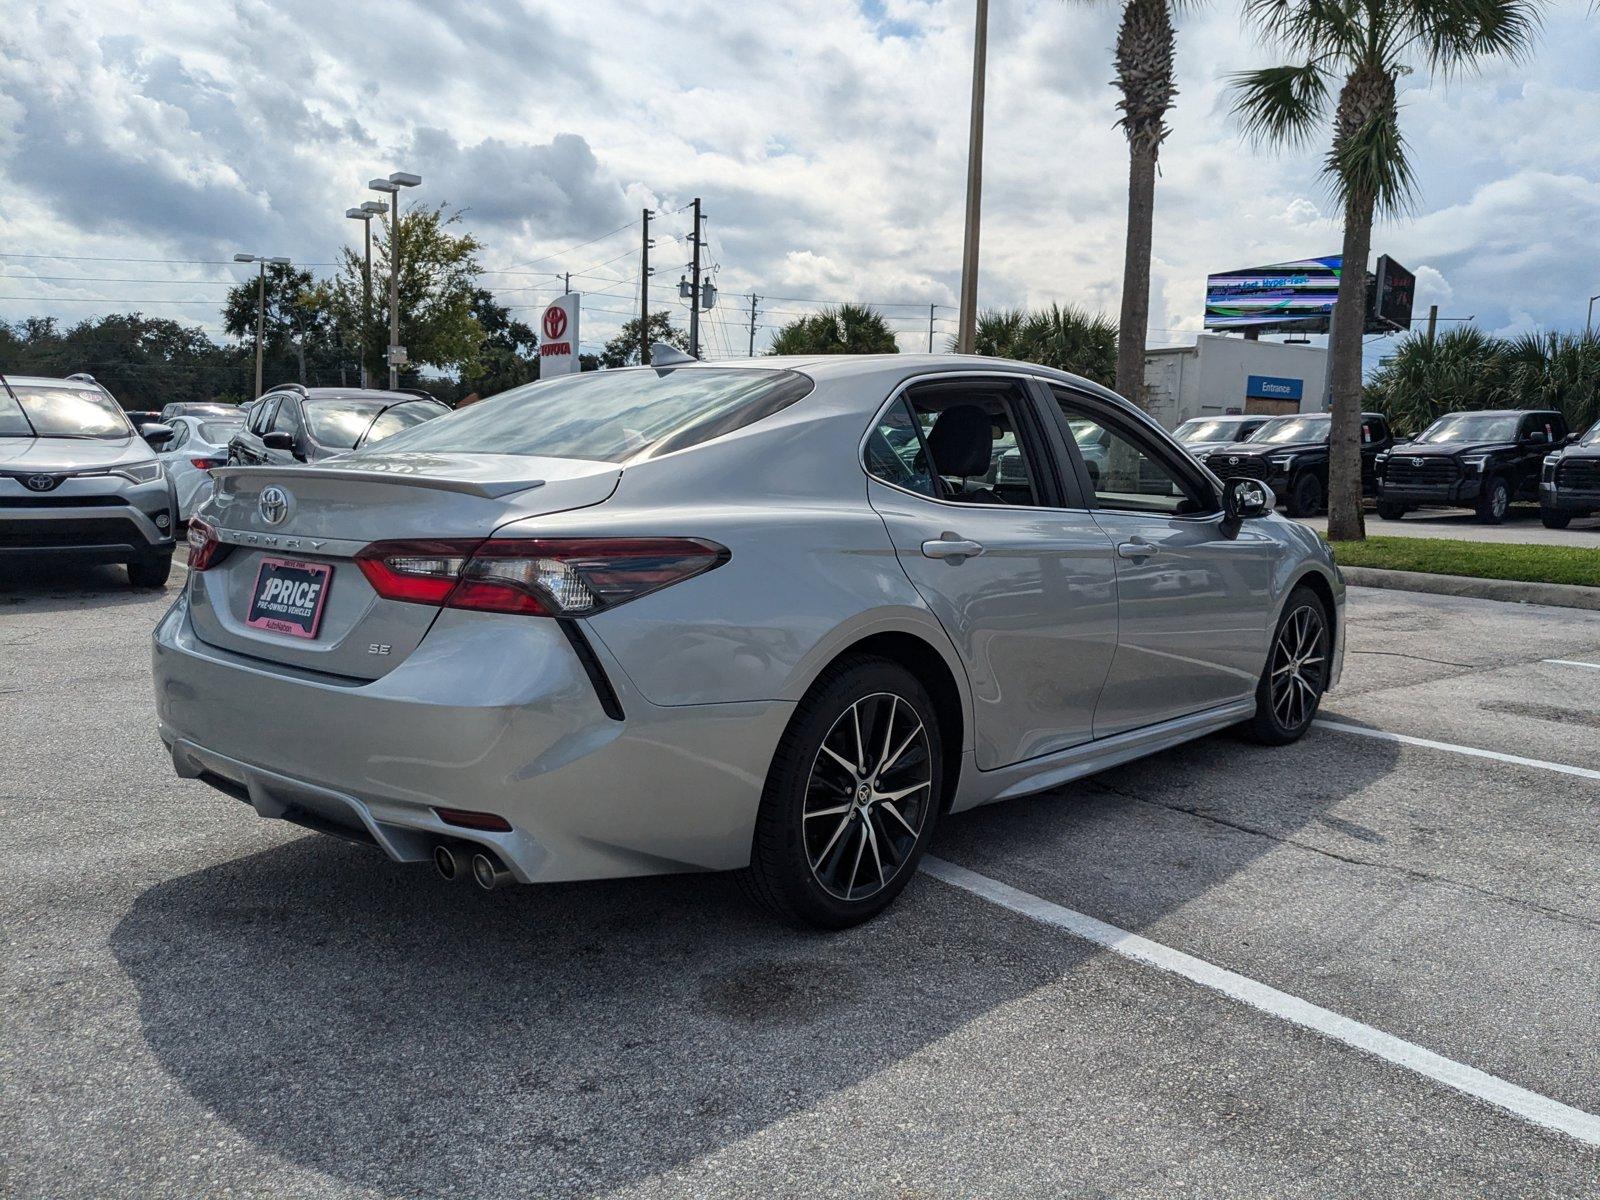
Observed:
{"x":1482,"y":560}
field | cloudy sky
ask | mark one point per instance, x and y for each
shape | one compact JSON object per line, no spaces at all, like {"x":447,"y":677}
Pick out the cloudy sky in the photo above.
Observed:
{"x":142,"y":142}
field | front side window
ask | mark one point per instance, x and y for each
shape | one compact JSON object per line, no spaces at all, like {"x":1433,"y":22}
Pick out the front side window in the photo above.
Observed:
{"x":287,"y":420}
{"x":180,"y":435}
{"x":1127,"y":472}
{"x":61,"y":412}
{"x":610,"y":416}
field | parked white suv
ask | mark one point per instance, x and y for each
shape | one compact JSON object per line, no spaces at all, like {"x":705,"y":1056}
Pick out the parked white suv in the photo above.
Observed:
{"x":78,"y":481}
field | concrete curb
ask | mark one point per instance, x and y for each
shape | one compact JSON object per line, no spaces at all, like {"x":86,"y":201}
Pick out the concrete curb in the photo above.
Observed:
{"x":1562,"y":595}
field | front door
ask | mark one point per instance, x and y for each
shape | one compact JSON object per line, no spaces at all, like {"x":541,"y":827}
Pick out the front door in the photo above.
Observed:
{"x":975,"y":502}
{"x":1194,"y":596}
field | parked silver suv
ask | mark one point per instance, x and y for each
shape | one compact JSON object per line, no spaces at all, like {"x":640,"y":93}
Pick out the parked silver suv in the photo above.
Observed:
{"x":78,"y":481}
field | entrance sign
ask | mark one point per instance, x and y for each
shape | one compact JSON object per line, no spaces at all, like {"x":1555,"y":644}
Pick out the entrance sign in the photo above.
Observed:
{"x":558,"y":338}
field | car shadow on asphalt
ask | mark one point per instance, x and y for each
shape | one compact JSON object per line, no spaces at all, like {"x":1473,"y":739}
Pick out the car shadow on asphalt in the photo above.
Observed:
{"x":374,"y":1023}
{"x":55,"y":587}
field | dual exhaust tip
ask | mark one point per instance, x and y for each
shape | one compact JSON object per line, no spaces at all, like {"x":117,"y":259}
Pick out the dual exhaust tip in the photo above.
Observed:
{"x":458,"y":862}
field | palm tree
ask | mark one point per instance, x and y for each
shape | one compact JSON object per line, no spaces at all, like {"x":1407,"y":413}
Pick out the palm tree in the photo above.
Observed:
{"x":1146,"y":45}
{"x":1556,"y":370}
{"x":1064,"y":337}
{"x":1427,"y":377}
{"x":847,"y":329}
{"x":1363,"y":47}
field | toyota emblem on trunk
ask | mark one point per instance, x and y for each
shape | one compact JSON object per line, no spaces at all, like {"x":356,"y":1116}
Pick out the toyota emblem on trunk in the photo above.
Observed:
{"x":274,"y":504}
{"x":40,"y":483}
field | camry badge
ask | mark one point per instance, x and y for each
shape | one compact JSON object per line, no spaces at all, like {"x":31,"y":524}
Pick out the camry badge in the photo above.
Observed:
{"x":274,"y":504}
{"x":40,"y":483}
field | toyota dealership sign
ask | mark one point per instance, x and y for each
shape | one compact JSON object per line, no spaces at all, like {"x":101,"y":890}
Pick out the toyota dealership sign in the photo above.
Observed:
{"x":558,"y":338}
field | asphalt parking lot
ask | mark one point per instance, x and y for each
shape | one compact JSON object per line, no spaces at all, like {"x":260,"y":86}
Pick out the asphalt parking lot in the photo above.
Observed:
{"x":198,"y":1002}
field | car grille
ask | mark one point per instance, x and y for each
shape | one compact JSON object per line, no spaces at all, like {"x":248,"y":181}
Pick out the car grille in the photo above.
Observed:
{"x":1579,"y":474}
{"x":63,"y":502}
{"x":1434,"y":471}
{"x":72,"y":531}
{"x":1248,"y":466}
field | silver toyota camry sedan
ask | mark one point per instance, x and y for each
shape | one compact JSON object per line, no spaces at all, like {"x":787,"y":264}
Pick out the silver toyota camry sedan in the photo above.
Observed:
{"x":775,"y":616}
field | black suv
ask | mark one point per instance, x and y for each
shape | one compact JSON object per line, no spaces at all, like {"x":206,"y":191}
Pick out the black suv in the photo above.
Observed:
{"x":1569,"y":485}
{"x":293,"y":424}
{"x":1290,"y":455}
{"x":1482,"y":460}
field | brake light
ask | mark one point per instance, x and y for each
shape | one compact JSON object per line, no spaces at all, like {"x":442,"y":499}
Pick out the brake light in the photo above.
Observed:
{"x":205,"y":464}
{"x":205,"y":548}
{"x":549,"y":577}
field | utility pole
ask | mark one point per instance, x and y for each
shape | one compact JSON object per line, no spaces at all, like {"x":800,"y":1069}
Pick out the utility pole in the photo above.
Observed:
{"x":694,"y":286}
{"x":566,"y":284}
{"x":966,"y":333}
{"x":644,"y":293}
{"x":753,"y":299}
{"x":1588,"y":322}
{"x":1433,"y":321}
{"x":930,"y":329}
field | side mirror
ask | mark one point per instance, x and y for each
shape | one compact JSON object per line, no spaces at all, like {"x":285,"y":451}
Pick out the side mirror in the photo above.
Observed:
{"x":1246,"y":499}
{"x":157,"y":434}
{"x":278,"y":440}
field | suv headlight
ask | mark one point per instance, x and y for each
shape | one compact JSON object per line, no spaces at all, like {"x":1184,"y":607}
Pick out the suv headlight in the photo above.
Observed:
{"x":1551,"y":460}
{"x":1283,"y":461}
{"x":1475,"y":462}
{"x":145,"y":472}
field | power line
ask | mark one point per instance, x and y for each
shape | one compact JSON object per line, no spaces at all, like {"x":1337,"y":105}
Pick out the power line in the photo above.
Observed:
{"x":197,"y":262}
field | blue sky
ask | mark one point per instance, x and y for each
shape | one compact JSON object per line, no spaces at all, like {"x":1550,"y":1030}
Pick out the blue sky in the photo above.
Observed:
{"x":827,"y":139}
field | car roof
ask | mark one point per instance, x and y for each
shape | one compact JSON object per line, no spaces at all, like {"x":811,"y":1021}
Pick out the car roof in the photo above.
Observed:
{"x":51,"y":381}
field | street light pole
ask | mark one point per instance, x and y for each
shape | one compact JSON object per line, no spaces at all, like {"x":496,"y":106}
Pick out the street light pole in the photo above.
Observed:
{"x":392,"y":186}
{"x":1588,"y":322}
{"x":966,"y":332}
{"x":364,"y":214}
{"x":261,"y":300}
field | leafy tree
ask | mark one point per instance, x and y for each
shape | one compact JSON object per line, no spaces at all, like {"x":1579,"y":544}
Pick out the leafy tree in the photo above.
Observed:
{"x":847,"y":329}
{"x":1362,"y":47}
{"x":1146,"y":46}
{"x":298,"y":322}
{"x":1064,"y":337}
{"x":438,"y":288}
{"x":623,"y":350}
{"x":507,"y":357}
{"x":145,"y":362}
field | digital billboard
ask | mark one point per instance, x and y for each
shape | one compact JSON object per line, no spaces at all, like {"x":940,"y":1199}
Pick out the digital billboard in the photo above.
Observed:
{"x":1298,"y":296}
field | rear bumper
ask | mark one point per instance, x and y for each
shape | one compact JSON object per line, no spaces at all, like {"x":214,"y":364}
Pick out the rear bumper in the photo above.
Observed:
{"x":522,"y":736}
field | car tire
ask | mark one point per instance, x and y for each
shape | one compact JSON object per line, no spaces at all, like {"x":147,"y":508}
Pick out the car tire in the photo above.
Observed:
{"x":1391,"y":511}
{"x":1296,"y":674}
{"x":150,"y":570}
{"x":830,"y":823}
{"x":1553,"y":519}
{"x":1495,"y":501}
{"x":1305,"y":496}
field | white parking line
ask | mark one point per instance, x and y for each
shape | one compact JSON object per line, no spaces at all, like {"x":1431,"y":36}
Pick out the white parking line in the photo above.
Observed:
{"x":1383,"y":735}
{"x":1567,"y":662}
{"x":1530,"y":1106}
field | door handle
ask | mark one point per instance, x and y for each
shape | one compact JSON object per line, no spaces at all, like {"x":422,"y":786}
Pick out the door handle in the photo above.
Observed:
{"x":950,"y":546}
{"x":1136,"y":549}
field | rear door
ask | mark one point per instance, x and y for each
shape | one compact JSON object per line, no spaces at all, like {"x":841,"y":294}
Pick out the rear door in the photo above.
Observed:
{"x":1193,"y":602}
{"x":979,"y":510}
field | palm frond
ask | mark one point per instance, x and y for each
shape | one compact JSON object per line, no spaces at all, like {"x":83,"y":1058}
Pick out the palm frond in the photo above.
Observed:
{"x":1280,"y":105}
{"x":1456,"y":35}
{"x":1371,"y":160}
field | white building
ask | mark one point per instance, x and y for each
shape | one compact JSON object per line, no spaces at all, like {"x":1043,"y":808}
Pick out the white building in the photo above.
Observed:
{"x":1220,"y":374}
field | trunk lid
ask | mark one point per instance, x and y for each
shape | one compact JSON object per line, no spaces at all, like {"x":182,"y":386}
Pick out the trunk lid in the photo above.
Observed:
{"x":331,"y":510}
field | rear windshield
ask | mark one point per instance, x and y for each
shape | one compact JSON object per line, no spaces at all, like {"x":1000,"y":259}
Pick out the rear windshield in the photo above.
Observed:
{"x":218,"y":432}
{"x":1293,"y":429}
{"x":339,"y":424}
{"x":611,"y":416}
{"x":63,"y":412}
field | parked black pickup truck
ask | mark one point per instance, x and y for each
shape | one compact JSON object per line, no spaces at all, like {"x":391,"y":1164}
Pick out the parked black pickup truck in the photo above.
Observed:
{"x":1569,"y":484}
{"x":1482,"y":460}
{"x":1290,"y":455}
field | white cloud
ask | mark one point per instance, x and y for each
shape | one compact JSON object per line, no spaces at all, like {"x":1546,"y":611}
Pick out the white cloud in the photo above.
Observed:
{"x":828,"y":142}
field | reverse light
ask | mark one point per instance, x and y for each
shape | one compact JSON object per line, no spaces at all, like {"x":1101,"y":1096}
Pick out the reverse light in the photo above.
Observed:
{"x":205,"y":549}
{"x":549,"y":577}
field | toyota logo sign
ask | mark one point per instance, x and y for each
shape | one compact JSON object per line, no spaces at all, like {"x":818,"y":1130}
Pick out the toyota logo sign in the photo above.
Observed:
{"x":555,"y":323}
{"x":274,"y":504}
{"x":40,"y":483}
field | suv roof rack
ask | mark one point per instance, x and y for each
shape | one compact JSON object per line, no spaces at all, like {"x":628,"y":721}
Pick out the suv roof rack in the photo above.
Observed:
{"x":299,"y":388}
{"x":84,"y":377}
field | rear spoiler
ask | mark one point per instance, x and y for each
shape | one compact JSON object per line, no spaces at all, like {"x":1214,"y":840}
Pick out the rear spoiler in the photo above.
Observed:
{"x":374,"y":474}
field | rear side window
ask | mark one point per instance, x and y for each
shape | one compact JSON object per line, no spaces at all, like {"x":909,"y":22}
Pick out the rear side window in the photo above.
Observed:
{"x":610,"y":416}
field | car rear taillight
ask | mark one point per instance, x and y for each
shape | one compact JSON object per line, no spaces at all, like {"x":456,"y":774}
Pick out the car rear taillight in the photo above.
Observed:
{"x":204,"y":546}
{"x":205,"y":464}
{"x":547,"y":577}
